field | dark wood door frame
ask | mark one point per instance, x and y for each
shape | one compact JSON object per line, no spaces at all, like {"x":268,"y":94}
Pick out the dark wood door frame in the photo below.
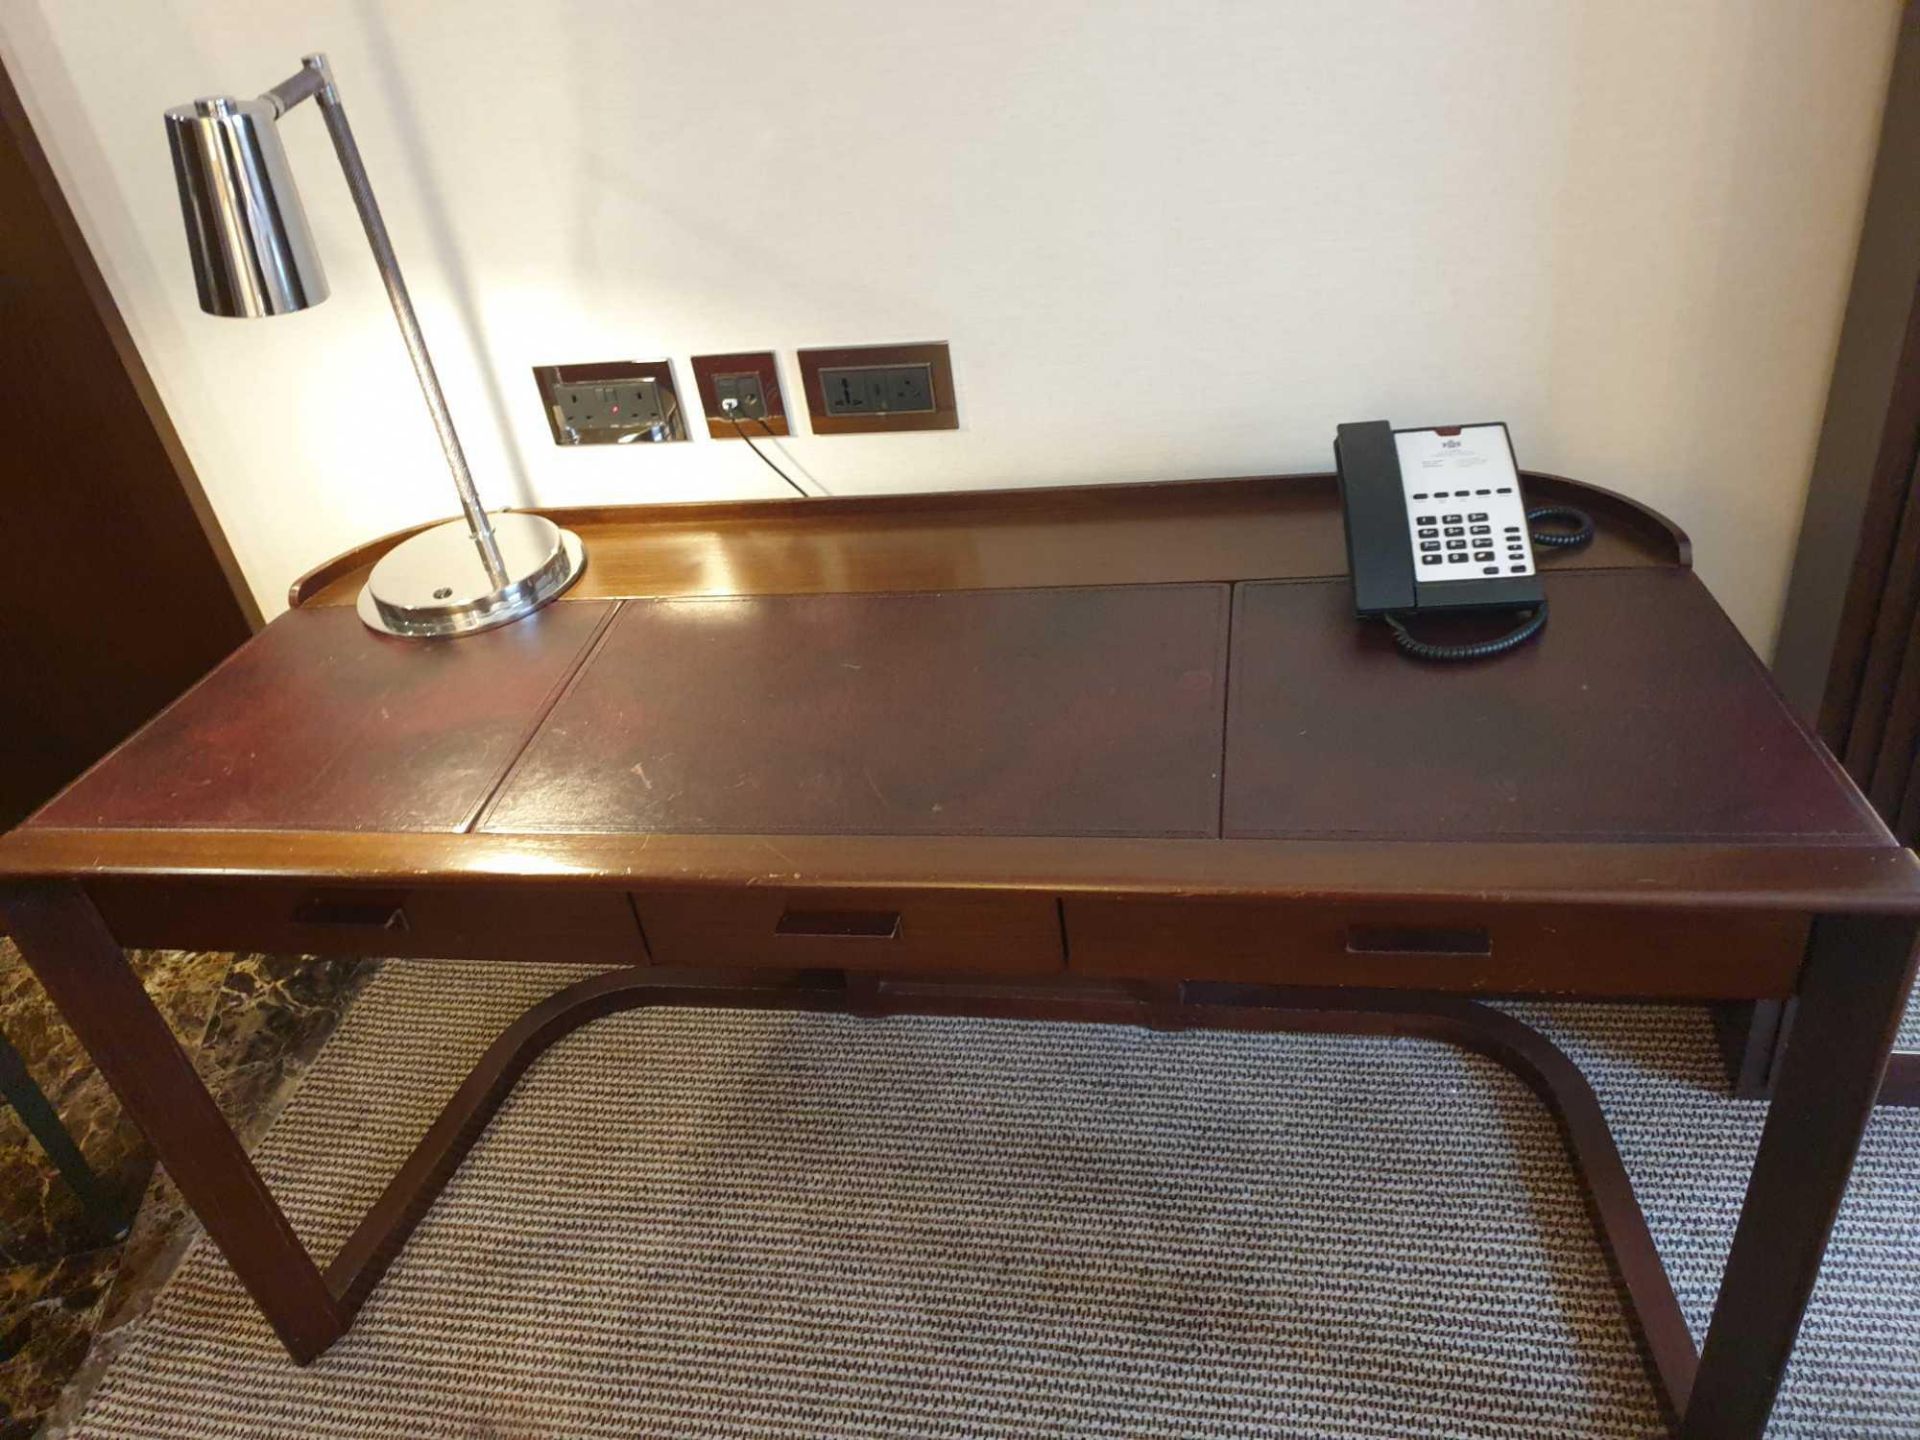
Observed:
{"x":1848,"y":655}
{"x":119,"y":589}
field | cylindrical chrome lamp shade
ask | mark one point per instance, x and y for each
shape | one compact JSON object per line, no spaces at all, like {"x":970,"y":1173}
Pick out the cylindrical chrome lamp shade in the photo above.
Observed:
{"x":252,"y":252}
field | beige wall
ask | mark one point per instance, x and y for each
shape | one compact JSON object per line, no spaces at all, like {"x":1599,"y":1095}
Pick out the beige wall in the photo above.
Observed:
{"x":1165,"y":239}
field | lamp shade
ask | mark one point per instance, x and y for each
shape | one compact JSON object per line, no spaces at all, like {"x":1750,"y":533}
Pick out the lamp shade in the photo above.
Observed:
{"x":252,"y":252}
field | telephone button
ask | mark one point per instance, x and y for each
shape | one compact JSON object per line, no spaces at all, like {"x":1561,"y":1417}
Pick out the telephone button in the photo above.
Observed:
{"x":1429,"y":559}
{"x":1429,"y":544}
{"x":1456,"y":544}
{"x":1450,"y":519}
{"x":1455,"y":530}
{"x":1428,"y":533}
{"x":1456,"y":559}
{"x":1483,"y":554}
{"x":1518,"y":569}
{"x":1481,"y":530}
{"x":1491,"y":570}
{"x":1477,"y":515}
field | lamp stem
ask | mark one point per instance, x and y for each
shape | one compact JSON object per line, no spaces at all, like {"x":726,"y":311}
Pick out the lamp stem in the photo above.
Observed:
{"x":376,"y":228}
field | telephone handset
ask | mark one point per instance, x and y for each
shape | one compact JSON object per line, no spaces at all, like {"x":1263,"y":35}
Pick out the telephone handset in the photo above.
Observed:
{"x":1436,"y":522}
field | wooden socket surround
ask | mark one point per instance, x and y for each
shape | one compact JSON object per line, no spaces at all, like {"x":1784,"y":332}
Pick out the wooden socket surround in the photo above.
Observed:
{"x":760,"y":363}
{"x":945,"y":414}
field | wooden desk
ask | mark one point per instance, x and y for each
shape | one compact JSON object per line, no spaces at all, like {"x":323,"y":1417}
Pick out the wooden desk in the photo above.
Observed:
{"x":1118,"y":754}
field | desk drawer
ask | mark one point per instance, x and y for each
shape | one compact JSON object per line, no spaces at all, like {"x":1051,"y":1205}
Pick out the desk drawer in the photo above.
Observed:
{"x":853,"y":930}
{"x":445,"y":922}
{"x":1527,"y":949}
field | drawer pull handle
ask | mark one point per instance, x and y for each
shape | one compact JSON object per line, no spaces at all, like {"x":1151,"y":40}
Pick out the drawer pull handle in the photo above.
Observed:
{"x":1417,"y":940}
{"x":841,"y":924}
{"x":363,"y":914}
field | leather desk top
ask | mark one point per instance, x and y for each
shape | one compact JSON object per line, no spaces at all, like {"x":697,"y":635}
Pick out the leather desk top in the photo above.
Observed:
{"x":1249,"y":712}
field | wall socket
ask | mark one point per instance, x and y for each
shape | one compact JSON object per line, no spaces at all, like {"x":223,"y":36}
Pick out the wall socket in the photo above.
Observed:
{"x":871,"y":389}
{"x":748,"y":401}
{"x":876,"y":388}
{"x":617,"y":402}
{"x":750,"y":379}
{"x":618,"y":407}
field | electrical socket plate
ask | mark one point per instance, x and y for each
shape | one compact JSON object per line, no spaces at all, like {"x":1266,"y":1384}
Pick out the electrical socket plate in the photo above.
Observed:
{"x":619,"y":402}
{"x":876,"y":388}
{"x":620,"y":406}
{"x":872,"y":389}
{"x":752,"y":378}
{"x":742,"y":393}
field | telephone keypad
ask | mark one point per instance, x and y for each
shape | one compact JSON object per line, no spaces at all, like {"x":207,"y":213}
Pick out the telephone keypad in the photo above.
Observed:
{"x":1481,"y":529}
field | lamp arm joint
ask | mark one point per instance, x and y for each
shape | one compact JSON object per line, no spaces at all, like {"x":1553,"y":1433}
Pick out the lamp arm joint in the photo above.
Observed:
{"x":305,"y":83}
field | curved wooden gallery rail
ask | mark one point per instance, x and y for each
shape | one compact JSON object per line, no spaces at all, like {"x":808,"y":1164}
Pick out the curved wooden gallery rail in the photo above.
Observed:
{"x":1667,"y":1345}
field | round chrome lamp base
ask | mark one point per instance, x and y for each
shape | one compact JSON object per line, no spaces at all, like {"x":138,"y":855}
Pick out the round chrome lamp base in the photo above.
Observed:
{"x":435,"y":583}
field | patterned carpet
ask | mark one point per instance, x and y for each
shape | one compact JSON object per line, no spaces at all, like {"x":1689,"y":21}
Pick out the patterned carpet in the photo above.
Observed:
{"x":733,"y":1225}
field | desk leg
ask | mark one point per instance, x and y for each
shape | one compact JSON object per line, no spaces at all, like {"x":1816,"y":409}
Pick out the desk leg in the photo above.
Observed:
{"x":83,"y":969}
{"x":1852,"y":991}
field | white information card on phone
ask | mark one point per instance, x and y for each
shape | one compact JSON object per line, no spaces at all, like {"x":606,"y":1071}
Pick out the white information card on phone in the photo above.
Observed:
{"x":1465,"y":516}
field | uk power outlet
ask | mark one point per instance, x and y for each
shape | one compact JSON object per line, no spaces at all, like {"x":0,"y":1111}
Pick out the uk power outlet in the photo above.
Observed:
{"x":610,"y":402}
{"x":610,"y":407}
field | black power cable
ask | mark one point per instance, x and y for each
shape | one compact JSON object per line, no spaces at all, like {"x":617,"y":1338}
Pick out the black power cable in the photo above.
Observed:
{"x":1580,"y":534}
{"x":731,"y":412}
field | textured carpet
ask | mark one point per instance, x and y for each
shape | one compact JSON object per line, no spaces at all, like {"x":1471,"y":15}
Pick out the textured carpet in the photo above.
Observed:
{"x":733,"y":1225}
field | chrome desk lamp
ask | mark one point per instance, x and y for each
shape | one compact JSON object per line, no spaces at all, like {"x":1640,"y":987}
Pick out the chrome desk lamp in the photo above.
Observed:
{"x":253,"y":255}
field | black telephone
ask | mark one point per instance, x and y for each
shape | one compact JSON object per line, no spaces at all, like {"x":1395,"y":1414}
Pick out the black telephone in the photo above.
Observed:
{"x":1436,"y":522}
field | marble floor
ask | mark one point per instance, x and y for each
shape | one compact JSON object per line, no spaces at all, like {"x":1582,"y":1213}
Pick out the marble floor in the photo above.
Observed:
{"x":68,"y":1293}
